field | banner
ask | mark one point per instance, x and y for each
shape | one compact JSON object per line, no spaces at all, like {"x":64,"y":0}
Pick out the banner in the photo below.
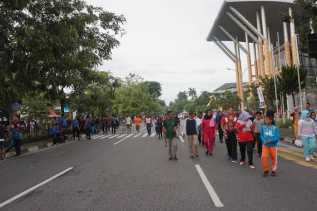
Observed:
{"x":261,"y":97}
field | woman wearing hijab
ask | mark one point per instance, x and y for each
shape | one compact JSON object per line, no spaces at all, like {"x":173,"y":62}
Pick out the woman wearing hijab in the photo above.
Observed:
{"x":208,"y":127}
{"x":307,"y":132}
{"x":245,"y":137}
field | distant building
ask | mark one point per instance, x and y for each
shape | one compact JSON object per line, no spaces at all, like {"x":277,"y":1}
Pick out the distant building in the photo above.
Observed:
{"x":231,"y":87}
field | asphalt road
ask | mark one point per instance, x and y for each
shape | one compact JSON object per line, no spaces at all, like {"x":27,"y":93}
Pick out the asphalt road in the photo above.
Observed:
{"x":134,"y":174}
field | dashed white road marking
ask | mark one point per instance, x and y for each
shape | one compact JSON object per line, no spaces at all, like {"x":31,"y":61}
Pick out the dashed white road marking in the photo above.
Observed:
{"x":125,"y":138}
{"x":137,"y":135}
{"x":121,"y":136}
{"x":152,"y":135}
{"x":144,"y":135}
{"x":113,"y":136}
{"x":26,"y":192}
{"x":212,"y":193}
{"x":181,"y":138}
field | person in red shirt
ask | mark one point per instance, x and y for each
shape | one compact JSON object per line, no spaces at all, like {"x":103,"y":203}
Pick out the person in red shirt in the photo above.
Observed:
{"x":208,"y":127}
{"x":244,"y":127}
{"x":228,"y":124}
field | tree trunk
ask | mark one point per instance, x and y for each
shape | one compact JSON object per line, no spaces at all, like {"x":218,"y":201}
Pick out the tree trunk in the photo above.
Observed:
{"x":293,"y":98}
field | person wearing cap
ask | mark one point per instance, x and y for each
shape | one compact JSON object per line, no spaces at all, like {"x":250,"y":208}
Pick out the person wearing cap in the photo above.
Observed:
{"x":270,"y":136}
{"x":307,"y":132}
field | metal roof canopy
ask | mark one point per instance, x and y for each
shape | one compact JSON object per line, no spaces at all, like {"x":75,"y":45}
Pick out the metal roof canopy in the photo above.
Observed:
{"x":275,"y":12}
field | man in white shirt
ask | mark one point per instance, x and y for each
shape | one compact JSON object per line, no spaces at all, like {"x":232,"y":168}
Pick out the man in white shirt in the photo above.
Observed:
{"x":128,"y":122}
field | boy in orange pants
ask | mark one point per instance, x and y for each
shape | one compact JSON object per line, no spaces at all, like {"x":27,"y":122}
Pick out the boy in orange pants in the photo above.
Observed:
{"x":270,"y":136}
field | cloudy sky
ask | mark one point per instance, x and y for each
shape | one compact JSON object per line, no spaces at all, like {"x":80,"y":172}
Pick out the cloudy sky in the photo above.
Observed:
{"x":166,"y":42}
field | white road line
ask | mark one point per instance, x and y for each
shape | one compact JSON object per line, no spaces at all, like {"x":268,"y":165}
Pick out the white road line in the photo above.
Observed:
{"x":102,"y":137}
{"x":125,"y":138}
{"x":108,"y":136}
{"x":26,"y":192}
{"x":137,"y":135}
{"x":112,"y":136}
{"x":181,"y":138}
{"x":212,"y":193}
{"x":121,"y":136}
{"x":152,"y":135}
{"x":144,"y":135}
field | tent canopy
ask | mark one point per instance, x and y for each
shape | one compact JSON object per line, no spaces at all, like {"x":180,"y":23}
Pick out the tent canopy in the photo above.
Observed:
{"x":275,"y":12}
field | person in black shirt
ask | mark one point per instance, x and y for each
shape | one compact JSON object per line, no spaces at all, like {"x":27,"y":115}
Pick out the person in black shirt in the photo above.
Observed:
{"x":191,"y":132}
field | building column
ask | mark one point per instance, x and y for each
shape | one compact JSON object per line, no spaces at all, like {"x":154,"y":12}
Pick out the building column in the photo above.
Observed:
{"x":239,"y":76}
{"x":265,"y":43}
{"x":260,"y":60}
{"x":293,"y":39}
{"x":287,"y":52}
{"x":248,"y":59}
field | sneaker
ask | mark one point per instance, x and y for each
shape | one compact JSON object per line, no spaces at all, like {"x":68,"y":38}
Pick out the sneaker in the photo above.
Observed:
{"x":192,"y":156}
{"x":307,"y":159}
{"x":170,"y":158}
{"x":251,"y":166}
{"x":312,"y":157}
{"x":265,"y":174}
{"x":241,"y":163}
{"x":273,"y":173}
{"x":234,"y":161}
{"x":175,"y":158}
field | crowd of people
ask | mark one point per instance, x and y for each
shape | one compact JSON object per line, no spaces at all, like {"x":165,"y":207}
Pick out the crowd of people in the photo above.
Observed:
{"x":241,"y":131}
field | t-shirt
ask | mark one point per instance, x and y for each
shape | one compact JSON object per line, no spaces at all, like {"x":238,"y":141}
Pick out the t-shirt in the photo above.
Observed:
{"x":148,"y":120}
{"x":191,"y":128}
{"x":170,"y":125}
{"x":128,"y":121}
{"x":258,"y":124}
{"x":137,"y":120}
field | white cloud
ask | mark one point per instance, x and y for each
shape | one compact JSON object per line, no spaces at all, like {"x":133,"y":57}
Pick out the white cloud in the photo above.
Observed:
{"x":166,"y":42}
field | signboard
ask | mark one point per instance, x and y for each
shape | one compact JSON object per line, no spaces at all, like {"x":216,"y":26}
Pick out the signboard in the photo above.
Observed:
{"x":261,"y":97}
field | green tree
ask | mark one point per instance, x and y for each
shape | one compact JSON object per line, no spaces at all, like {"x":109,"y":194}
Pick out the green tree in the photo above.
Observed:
{"x":288,"y":80}
{"x":53,"y":45}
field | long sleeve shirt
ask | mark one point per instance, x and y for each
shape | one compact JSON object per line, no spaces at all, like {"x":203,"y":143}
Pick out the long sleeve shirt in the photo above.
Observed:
{"x":307,"y":128}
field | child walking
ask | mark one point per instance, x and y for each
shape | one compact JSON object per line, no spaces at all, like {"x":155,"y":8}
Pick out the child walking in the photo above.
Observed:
{"x":270,"y":136}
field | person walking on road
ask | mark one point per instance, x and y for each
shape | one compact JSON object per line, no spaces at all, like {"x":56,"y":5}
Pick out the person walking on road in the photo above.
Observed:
{"x":16,"y":136}
{"x":258,"y":122}
{"x":270,"y":136}
{"x":307,"y":132}
{"x":198,"y":125}
{"x":229,"y":122}
{"x":88,"y":124}
{"x":137,"y":122}
{"x":159,"y":127}
{"x":148,"y":123}
{"x":245,"y":137}
{"x":75,"y":128}
{"x":191,"y":132}
{"x":2,"y":139}
{"x":169,"y":129}
{"x":209,"y":131}
{"x":128,"y":122}
{"x":114,"y":124}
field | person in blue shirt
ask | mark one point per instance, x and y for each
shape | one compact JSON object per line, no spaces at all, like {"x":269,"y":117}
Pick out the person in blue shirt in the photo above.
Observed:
{"x":270,"y":136}
{"x":75,"y":127}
